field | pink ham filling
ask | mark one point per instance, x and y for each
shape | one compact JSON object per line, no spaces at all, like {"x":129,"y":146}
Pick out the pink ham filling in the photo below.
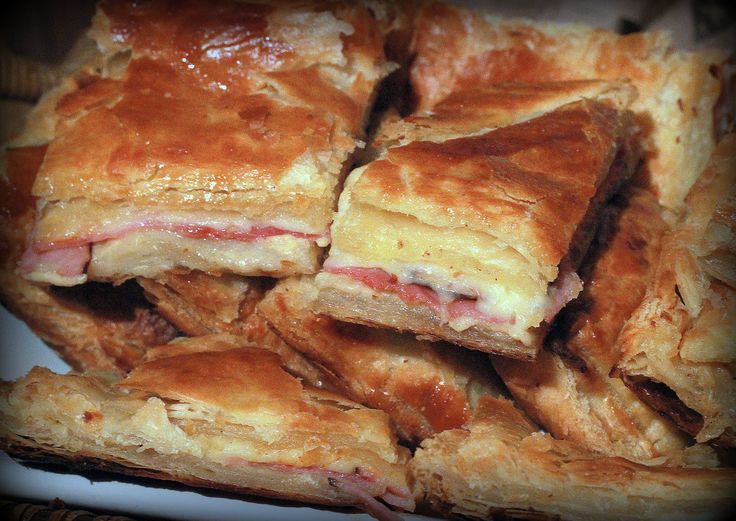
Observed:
{"x":356,"y":485}
{"x":66,"y":262}
{"x":68,"y":258}
{"x":565,"y":289}
{"x":378,"y":279}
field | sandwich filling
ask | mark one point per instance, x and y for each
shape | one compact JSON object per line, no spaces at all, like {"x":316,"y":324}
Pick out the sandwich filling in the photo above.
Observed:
{"x":64,"y":259}
{"x":485,"y":230}
{"x":212,"y":136}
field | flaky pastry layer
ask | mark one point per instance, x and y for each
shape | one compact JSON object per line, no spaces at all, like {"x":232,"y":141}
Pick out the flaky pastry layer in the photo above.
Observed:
{"x":678,"y":91}
{"x":500,"y":465}
{"x":567,"y":389}
{"x":232,"y":419}
{"x":679,"y":348}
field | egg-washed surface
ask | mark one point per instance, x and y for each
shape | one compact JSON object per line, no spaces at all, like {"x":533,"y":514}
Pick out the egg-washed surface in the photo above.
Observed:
{"x":223,"y":126}
{"x":486,"y":228}
{"x":678,"y":91}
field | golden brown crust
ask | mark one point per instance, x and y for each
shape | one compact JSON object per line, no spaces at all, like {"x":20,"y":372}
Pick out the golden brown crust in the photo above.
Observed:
{"x":682,"y":334}
{"x":230,"y":419}
{"x":484,"y":107}
{"x":499,"y":465}
{"x":458,"y":49}
{"x":567,"y":389}
{"x":123,"y":162}
{"x":200,"y":133}
{"x":425,"y":388}
{"x":531,"y":183}
{"x":201,"y":304}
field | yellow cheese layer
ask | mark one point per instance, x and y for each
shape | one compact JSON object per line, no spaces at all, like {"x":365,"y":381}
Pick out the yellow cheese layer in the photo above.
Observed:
{"x":450,"y":260}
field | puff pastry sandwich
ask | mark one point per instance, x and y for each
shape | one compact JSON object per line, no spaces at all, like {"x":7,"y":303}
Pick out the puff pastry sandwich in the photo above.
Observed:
{"x":679,"y":347}
{"x":96,"y":327}
{"x":214,"y":138}
{"x":567,"y":389}
{"x":677,"y":107}
{"x":231,"y":419}
{"x":425,"y":388}
{"x":500,"y":466}
{"x":476,"y":239}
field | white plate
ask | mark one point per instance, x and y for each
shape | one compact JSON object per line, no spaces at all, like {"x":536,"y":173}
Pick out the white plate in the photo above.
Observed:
{"x":20,"y":350}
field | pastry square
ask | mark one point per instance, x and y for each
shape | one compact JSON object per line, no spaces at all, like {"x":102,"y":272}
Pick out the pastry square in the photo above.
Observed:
{"x":475,"y":240}
{"x":424,"y":387}
{"x":225,"y":419}
{"x":567,"y":390}
{"x":501,"y":466}
{"x":678,"y":105}
{"x":679,"y":347}
{"x":213,"y":137}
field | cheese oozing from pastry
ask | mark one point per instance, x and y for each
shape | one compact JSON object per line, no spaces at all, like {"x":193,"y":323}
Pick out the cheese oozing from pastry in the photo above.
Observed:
{"x":485,"y":229}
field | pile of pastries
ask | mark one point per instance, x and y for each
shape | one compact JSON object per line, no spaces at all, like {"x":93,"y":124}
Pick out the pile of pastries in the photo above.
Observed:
{"x":388,"y":255}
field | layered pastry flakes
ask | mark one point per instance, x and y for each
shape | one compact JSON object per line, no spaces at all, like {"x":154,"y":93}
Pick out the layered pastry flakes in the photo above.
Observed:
{"x":476,"y":239}
{"x":200,"y":304}
{"x":501,"y":467}
{"x":679,"y":347}
{"x":678,"y":104}
{"x":213,"y":138}
{"x":231,"y":419}
{"x":567,"y":389}
{"x":425,"y":388}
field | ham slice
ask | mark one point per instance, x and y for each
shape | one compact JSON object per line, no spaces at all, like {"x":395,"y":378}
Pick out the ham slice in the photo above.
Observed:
{"x":567,"y":286}
{"x":194,"y":231}
{"x":68,"y":258}
{"x":379,"y":280}
{"x":564,"y":289}
{"x":65,"y":262}
{"x":359,"y":485}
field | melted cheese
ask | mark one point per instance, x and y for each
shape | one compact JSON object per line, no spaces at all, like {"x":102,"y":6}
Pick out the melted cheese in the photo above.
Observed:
{"x":451,"y":261}
{"x":146,"y":254}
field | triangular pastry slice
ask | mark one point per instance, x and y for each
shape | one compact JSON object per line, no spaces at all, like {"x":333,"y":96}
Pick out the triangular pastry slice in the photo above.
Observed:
{"x":476,"y":239}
